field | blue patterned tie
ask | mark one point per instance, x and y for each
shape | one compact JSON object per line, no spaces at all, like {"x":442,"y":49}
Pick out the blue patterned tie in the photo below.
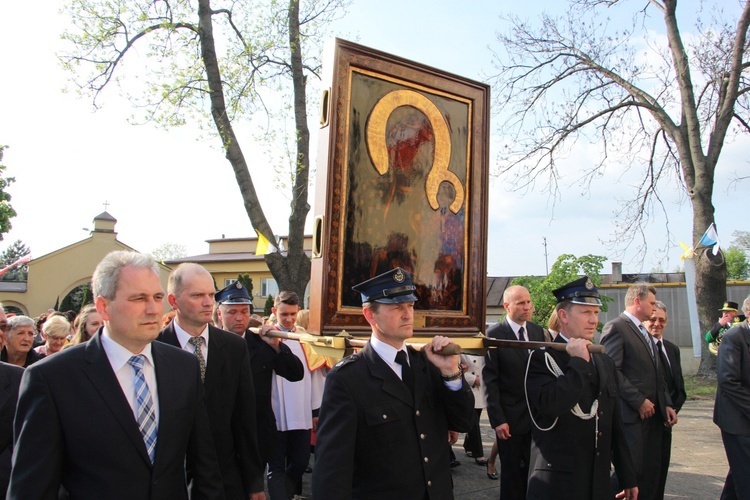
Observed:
{"x":144,"y":406}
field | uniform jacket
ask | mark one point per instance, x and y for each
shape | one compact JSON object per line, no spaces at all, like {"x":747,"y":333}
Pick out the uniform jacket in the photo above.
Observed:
{"x":503,"y":377}
{"x":74,"y":427}
{"x":230,"y":400}
{"x":264,"y":361}
{"x":732,"y":408}
{"x":10,"y":379}
{"x":639,"y":375}
{"x":676,"y":387}
{"x":571,"y":461}
{"x":376,"y":441}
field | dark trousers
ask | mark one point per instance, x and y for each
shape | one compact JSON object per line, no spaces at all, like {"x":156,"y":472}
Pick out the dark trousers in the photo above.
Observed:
{"x":666,"y":455}
{"x":737,"y":484}
{"x":645,"y":443}
{"x":514,"y":456}
{"x":288,"y":463}
{"x":473,"y":438}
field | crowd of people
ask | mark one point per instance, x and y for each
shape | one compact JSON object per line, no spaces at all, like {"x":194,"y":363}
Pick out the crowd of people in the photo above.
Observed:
{"x":214,"y":401}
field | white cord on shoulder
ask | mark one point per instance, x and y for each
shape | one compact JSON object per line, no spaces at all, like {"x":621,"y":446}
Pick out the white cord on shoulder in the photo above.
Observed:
{"x":526,"y":392}
{"x":553,"y":367}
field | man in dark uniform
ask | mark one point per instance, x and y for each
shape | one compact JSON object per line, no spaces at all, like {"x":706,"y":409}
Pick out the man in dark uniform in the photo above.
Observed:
{"x":572,"y":397}
{"x":732,"y":408}
{"x":267,"y":355}
{"x":506,"y":405}
{"x":387,"y":410}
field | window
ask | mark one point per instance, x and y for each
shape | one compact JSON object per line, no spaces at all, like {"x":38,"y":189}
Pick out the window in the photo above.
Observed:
{"x":268,"y":287}
{"x":229,"y":281}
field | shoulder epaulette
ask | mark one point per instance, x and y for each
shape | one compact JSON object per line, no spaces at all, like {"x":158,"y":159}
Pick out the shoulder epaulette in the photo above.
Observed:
{"x":347,"y":360}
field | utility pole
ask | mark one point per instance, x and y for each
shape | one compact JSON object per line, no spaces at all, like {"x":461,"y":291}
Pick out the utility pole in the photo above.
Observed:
{"x":546,"y":262}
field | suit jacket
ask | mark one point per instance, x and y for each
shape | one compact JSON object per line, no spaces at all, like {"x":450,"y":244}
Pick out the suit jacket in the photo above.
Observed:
{"x":264,"y":361}
{"x":732,"y":407}
{"x":640,"y":376}
{"x":571,"y":461}
{"x":375,"y":440}
{"x":10,"y":380}
{"x":503,"y":377}
{"x":675,"y":383}
{"x":230,"y":400}
{"x":74,"y":427}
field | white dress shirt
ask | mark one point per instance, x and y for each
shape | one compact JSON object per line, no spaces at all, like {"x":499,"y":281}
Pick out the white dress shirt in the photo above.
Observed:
{"x":118,"y":357}
{"x":183,"y":337}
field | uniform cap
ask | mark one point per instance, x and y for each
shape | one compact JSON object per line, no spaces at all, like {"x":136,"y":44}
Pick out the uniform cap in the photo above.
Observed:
{"x":581,"y":291}
{"x":233,"y":294}
{"x":392,"y":287}
{"x":730,"y":306}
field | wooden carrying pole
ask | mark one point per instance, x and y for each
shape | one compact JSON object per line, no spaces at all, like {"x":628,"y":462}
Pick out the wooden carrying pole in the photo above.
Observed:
{"x":344,"y":341}
{"x":478,"y":344}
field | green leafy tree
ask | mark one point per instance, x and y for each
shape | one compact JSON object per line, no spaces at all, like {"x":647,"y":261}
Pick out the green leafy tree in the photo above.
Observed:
{"x":214,"y":63}
{"x":247,"y":282}
{"x":267,"y":306}
{"x":6,"y":211}
{"x":738,"y":267}
{"x":15,"y":251}
{"x":658,"y":104}
{"x":76,"y":298}
{"x":566,"y":268}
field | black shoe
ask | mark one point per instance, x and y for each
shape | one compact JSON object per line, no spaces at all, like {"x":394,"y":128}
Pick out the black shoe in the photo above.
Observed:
{"x":481,"y":461}
{"x":455,"y":463}
{"x":491,"y":475}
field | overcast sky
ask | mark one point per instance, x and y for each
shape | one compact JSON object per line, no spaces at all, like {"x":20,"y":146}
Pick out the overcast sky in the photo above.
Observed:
{"x":176,"y":186}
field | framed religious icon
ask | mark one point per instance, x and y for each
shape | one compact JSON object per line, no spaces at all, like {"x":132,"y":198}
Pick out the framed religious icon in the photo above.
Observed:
{"x":402,"y":181}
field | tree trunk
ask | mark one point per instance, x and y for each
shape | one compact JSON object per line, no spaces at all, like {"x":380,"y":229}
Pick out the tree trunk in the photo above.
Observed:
{"x":710,"y":270}
{"x":293,"y":271}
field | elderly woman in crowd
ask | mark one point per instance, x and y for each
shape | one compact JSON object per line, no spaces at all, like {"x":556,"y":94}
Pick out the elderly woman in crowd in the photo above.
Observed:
{"x":55,"y":332}
{"x":19,"y":342}
{"x":86,"y":324}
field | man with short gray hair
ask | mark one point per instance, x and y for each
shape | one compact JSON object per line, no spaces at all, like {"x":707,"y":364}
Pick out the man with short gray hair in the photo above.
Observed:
{"x":669,"y":355}
{"x":119,"y":416}
{"x":732,"y":408}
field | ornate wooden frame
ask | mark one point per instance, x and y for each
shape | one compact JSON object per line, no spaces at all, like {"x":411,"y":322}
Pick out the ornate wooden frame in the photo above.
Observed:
{"x":406,"y":151}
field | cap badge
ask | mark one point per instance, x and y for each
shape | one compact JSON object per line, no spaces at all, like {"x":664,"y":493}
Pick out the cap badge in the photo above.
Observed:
{"x":399,"y":277}
{"x":237,"y":284}
{"x":589,"y":284}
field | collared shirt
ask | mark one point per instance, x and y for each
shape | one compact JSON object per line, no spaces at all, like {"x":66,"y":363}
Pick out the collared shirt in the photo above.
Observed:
{"x":515,"y":327}
{"x":183,"y":337}
{"x":388,"y":354}
{"x":118,"y":357}
{"x":644,"y":333}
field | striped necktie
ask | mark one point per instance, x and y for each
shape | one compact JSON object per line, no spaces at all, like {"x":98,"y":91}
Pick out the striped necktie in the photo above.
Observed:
{"x":144,"y":406}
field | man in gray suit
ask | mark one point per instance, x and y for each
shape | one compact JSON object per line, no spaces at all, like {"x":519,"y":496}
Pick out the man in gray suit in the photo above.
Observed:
{"x":644,"y":400}
{"x":732,"y":409}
